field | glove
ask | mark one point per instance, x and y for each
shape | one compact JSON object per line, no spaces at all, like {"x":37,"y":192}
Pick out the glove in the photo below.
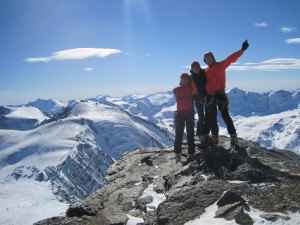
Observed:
{"x":245,"y":45}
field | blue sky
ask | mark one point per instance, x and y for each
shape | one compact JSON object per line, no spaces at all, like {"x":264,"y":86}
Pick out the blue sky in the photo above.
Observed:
{"x":76,"y":49}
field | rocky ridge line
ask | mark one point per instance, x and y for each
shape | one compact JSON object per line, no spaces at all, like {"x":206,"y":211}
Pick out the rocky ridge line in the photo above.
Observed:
{"x":271,"y":184}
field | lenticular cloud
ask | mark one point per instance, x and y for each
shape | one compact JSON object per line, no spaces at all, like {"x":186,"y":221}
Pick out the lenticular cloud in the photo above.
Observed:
{"x":77,"y":53}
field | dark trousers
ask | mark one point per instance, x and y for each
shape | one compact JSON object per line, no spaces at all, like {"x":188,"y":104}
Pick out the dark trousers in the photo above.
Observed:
{"x":183,"y":121}
{"x":203,"y":123}
{"x":219,"y":100}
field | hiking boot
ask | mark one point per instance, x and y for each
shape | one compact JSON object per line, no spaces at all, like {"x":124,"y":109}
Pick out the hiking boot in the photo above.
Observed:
{"x":178,"y":158}
{"x":203,"y":138}
{"x":233,"y":139}
{"x":204,"y":141}
{"x":190,"y":156}
{"x":214,"y":140}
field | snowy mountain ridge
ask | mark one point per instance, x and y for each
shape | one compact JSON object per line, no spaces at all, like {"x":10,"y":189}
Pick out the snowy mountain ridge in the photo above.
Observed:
{"x":159,"y":108}
{"x":48,"y":106}
{"x":251,"y":103}
{"x":257,"y":116}
{"x":68,"y":156}
{"x":64,"y":158}
{"x":20,"y":118}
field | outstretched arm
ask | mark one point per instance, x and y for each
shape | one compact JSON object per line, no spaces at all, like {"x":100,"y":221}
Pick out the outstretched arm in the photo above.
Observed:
{"x":234,"y":57}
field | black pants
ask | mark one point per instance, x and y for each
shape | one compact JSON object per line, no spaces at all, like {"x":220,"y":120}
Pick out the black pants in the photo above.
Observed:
{"x":182,"y":121}
{"x":203,"y":123}
{"x":220,"y":100}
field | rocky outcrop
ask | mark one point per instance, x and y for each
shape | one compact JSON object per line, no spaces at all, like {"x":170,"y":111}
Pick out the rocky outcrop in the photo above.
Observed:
{"x":147,"y":183}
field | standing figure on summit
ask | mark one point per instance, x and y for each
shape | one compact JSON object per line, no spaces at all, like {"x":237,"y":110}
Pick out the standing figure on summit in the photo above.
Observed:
{"x":216,"y":96}
{"x":184,"y":116}
{"x":198,"y":75}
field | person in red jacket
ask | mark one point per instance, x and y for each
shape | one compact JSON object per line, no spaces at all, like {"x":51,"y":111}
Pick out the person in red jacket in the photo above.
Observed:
{"x":216,"y":96}
{"x":184,"y":115}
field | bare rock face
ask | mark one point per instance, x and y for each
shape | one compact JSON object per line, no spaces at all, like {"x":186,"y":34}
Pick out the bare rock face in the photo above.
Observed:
{"x":269,"y":181}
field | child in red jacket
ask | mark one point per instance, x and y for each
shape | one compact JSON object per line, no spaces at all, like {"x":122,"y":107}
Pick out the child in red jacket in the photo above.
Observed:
{"x":184,"y":115}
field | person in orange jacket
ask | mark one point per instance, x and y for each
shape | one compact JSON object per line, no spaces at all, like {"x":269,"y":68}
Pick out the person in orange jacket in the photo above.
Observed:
{"x":184,"y":115}
{"x":216,"y":96}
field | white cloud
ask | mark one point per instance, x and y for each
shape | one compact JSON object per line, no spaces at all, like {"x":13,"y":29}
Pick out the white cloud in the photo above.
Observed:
{"x":144,"y":56}
{"x":287,"y":29}
{"x":77,"y":53}
{"x":261,"y":24}
{"x":270,"y":65}
{"x":293,"y":41}
{"x":88,"y":69}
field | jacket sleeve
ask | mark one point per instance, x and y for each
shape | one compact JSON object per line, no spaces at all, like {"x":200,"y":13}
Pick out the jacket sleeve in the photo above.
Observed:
{"x":231,"y":59}
{"x":193,"y":86}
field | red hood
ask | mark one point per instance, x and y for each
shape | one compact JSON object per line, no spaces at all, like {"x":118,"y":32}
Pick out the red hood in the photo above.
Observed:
{"x":209,"y":54}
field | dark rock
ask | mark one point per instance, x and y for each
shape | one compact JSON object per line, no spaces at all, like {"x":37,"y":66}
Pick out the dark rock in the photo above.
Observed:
{"x":147,"y":160}
{"x":190,"y":201}
{"x":274,"y":217}
{"x":142,"y":202}
{"x":230,"y":197}
{"x":115,"y":216}
{"x":79,"y":210}
{"x":243,"y":219}
{"x":53,"y":220}
{"x":147,"y":179}
{"x":229,"y":210}
{"x":150,"y":218}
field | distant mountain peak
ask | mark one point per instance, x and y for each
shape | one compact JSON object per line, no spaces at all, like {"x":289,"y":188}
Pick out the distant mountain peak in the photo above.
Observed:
{"x":48,"y":106}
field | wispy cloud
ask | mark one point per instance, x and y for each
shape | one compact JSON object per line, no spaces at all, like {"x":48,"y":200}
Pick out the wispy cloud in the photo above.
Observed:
{"x":288,"y":29}
{"x":88,"y":69}
{"x":75,"y":54}
{"x":261,"y":24}
{"x":293,"y":41}
{"x":144,"y":56}
{"x":270,"y":65}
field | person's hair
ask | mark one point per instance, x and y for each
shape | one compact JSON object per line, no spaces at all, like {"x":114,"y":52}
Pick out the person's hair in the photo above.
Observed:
{"x":195,"y":63}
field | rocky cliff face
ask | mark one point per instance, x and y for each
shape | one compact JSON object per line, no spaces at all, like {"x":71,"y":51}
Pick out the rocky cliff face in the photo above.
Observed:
{"x":147,"y":183}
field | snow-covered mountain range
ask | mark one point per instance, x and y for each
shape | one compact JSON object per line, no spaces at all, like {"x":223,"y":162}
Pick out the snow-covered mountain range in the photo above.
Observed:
{"x":54,"y":153}
{"x":270,"y":118}
{"x":65,"y":158}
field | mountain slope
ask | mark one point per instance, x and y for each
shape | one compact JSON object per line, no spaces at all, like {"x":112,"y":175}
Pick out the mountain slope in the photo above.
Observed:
{"x":279,"y":130}
{"x":270,"y":118}
{"x":251,"y":103}
{"x":71,"y":154}
{"x":48,"y":106}
{"x":252,"y":185}
{"x":20,"y":117}
{"x":157,"y":108}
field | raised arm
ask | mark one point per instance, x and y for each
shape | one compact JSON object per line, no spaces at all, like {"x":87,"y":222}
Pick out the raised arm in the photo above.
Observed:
{"x":234,"y":56}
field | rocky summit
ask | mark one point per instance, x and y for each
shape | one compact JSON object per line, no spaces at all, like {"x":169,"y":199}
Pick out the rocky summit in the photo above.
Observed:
{"x":147,"y":183}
